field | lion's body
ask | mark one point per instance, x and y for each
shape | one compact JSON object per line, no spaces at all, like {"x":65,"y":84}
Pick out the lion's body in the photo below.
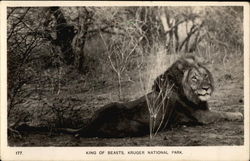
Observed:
{"x":190,"y":85}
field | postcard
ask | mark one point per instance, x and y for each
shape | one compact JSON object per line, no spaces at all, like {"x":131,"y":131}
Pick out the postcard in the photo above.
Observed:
{"x":124,"y":80}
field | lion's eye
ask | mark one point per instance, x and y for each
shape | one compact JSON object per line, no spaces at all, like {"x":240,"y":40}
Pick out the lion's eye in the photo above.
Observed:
{"x":194,"y":78}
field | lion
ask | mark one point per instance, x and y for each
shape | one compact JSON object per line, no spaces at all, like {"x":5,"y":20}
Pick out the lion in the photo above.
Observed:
{"x":189,"y":85}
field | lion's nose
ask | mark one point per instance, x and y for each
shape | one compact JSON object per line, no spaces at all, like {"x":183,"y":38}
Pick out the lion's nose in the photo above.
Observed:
{"x":205,"y":88}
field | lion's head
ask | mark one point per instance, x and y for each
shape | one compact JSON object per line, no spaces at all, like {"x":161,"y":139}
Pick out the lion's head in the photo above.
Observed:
{"x":197,"y":84}
{"x":191,"y":80}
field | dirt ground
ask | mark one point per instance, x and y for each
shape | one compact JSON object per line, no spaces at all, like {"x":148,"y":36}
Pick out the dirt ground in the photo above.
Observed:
{"x":228,"y":96}
{"x":223,"y":133}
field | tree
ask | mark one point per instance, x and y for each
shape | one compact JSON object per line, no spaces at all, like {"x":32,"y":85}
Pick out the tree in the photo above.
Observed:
{"x":120,"y":50}
{"x":21,"y":47}
{"x":73,"y":27}
{"x":64,"y":33}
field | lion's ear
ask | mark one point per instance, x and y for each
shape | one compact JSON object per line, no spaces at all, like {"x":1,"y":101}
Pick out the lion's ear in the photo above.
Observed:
{"x":180,"y":66}
{"x":190,"y":60}
{"x":185,"y":62}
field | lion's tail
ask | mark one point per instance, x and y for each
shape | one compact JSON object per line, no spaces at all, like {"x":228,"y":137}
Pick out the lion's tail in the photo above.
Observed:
{"x":69,"y":130}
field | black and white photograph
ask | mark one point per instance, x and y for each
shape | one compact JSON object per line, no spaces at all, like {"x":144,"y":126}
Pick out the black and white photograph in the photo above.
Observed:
{"x":126,"y":76}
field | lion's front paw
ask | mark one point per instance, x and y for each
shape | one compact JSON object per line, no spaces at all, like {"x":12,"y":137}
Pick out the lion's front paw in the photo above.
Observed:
{"x":235,"y":116}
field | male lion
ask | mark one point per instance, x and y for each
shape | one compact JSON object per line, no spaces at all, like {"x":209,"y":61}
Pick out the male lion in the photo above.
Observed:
{"x":189,"y":86}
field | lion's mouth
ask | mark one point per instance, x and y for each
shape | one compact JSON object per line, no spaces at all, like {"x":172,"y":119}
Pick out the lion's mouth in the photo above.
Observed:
{"x":204,"y":97}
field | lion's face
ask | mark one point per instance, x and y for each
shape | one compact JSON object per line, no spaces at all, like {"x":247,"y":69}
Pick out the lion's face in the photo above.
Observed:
{"x":198,"y":84}
{"x":192,"y":80}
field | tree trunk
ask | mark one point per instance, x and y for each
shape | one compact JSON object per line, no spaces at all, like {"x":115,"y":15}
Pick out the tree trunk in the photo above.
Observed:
{"x":119,"y":86}
{"x":64,"y":35}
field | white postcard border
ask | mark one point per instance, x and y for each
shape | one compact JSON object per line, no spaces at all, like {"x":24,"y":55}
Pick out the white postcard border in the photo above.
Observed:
{"x":78,"y":153}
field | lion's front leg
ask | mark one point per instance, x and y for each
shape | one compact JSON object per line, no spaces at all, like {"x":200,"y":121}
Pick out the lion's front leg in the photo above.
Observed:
{"x":211,"y":116}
